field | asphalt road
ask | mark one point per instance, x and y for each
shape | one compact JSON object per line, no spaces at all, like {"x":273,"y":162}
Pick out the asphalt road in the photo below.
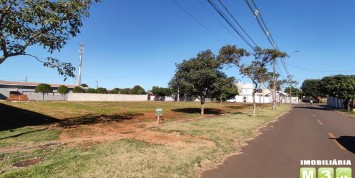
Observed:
{"x":305,"y":133}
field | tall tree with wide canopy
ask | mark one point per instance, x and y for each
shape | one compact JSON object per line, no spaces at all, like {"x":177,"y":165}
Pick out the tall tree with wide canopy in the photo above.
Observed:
{"x":341,"y":86}
{"x":196,"y":77}
{"x":312,"y":88}
{"x":49,"y":24}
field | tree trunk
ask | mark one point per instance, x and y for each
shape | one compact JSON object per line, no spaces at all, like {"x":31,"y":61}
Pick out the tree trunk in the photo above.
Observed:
{"x":221,"y":99}
{"x":202,"y":105}
{"x":254,"y":104}
{"x":274,"y":85}
{"x":178,"y":94}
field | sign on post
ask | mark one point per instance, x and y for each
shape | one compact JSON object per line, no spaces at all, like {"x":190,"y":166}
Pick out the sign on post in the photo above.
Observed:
{"x":158,"y":113}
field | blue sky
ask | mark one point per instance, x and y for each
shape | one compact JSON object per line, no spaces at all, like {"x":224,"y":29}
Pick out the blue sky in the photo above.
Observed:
{"x":138,"y":42}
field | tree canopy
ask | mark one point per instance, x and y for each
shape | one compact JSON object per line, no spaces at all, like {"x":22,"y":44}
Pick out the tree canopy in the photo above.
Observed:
{"x":312,"y":88}
{"x":91,"y":90}
{"x":256,"y":70}
{"x":63,"y":89}
{"x":101,"y":90}
{"x":78,"y":89}
{"x":196,"y":77}
{"x":160,"y":91}
{"x":43,"y":88}
{"x":137,"y":90}
{"x":49,"y":24}
{"x":224,"y":88}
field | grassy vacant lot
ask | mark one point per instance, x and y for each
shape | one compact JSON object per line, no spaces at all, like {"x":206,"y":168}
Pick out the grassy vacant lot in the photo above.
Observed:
{"x":121,"y":139}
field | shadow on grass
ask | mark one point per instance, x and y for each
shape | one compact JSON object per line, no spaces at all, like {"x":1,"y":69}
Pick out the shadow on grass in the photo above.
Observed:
{"x":24,"y":133}
{"x":13,"y":118}
{"x":94,"y":119}
{"x":198,"y":110}
{"x":347,"y":142}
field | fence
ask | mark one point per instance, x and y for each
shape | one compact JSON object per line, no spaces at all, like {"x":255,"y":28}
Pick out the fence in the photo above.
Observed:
{"x":105,"y":97}
{"x":46,"y":97}
{"x":334,"y":102}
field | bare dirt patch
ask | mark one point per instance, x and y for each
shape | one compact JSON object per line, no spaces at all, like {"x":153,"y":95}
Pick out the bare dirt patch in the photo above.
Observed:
{"x":29,"y":162}
{"x":104,"y":132}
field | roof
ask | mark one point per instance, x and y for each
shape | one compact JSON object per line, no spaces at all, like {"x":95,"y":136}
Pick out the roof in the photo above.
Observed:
{"x":12,"y":83}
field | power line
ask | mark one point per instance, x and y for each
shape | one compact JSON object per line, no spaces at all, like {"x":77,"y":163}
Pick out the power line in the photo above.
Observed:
{"x":256,"y":14}
{"x":225,"y":8}
{"x":262,"y":20}
{"x":229,"y":23}
{"x":203,"y":26}
{"x":318,"y":70}
{"x":215,"y":17}
{"x":266,"y":31}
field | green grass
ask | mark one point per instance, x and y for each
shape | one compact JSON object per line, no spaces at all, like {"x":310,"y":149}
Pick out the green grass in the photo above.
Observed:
{"x":26,"y":136}
{"x":211,"y":140}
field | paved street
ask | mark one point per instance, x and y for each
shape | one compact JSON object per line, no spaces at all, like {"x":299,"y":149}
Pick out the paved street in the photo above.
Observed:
{"x":305,"y":133}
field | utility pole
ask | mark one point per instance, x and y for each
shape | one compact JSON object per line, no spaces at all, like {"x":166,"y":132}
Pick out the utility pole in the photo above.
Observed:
{"x":274,"y":84}
{"x":290,"y":78}
{"x":80,"y":62}
{"x":97,"y":84}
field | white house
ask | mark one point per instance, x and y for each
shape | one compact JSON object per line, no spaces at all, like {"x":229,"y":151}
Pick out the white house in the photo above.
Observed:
{"x":263,"y":95}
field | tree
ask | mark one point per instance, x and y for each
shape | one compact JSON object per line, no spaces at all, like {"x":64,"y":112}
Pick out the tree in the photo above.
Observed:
{"x":138,"y":90}
{"x":295,"y":91}
{"x":91,"y":90}
{"x":49,"y":24}
{"x":341,"y":86}
{"x":78,"y":89}
{"x":84,"y":85}
{"x":196,"y":76}
{"x":101,"y":90}
{"x":115,"y":91}
{"x":256,"y":71}
{"x":63,"y":90}
{"x":312,"y":88}
{"x":43,"y":88}
{"x":126,"y":91}
{"x":224,"y":88}
{"x":270,"y":56}
{"x":159,"y":91}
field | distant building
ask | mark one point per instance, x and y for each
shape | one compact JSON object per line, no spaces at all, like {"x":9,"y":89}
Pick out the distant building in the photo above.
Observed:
{"x":28,"y":88}
{"x":262,"y":95}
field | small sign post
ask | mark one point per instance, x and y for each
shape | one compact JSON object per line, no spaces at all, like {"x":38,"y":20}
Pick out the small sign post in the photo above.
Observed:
{"x":158,"y":113}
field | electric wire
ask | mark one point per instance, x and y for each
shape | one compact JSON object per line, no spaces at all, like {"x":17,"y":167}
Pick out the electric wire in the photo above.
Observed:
{"x":235,"y":20}
{"x":193,"y":17}
{"x":266,"y":31}
{"x":215,"y":17}
{"x":229,"y":23}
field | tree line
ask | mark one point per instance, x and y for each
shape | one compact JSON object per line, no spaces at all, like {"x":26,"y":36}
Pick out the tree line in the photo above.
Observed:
{"x":340,"y":86}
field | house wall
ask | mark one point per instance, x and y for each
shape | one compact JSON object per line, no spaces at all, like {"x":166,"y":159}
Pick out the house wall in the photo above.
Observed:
{"x":4,"y":93}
